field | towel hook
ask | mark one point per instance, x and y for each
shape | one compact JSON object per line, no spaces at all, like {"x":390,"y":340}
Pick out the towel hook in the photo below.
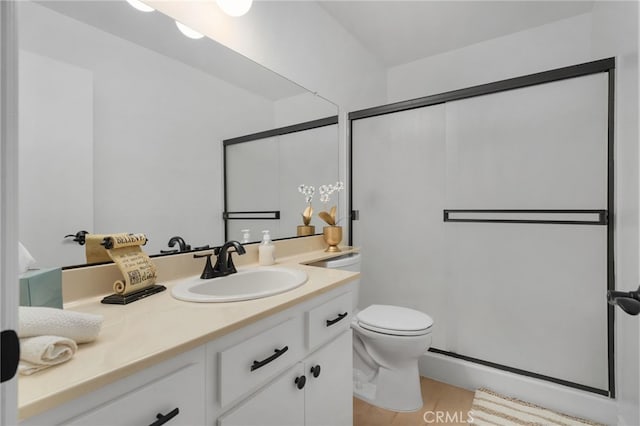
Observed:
{"x":78,"y":237}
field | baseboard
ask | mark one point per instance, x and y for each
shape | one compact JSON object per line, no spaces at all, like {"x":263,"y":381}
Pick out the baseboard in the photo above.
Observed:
{"x":472,"y":376}
{"x":627,"y":414}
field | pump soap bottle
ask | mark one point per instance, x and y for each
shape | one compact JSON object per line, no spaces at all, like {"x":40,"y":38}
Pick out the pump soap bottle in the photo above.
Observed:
{"x":266,"y":250}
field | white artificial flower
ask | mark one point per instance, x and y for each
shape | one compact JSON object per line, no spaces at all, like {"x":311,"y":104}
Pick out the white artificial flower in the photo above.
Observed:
{"x":307,"y":191}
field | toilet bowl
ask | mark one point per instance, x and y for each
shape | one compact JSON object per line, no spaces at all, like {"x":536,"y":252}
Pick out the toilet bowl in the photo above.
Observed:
{"x":387,"y":342}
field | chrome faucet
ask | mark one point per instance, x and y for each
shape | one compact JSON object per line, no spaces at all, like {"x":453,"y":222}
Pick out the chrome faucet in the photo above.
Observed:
{"x":224,"y":263}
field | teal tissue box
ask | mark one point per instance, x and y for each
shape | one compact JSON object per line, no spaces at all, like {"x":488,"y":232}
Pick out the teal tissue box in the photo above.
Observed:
{"x":41,"y":287}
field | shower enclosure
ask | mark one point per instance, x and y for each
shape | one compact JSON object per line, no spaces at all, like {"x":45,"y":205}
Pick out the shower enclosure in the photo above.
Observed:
{"x":491,"y":209}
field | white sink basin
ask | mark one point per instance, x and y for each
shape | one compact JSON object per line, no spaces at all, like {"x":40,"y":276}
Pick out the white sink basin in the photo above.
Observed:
{"x":244,"y":285}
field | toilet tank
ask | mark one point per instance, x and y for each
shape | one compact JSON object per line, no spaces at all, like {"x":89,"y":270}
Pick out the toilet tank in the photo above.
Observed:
{"x":346,"y":262}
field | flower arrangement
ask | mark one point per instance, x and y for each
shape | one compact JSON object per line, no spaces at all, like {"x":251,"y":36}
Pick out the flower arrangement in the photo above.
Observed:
{"x":325,"y":196}
{"x":307,"y":191}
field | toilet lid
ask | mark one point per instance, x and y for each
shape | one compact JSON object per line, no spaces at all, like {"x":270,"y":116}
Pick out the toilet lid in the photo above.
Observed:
{"x":394,"y":320}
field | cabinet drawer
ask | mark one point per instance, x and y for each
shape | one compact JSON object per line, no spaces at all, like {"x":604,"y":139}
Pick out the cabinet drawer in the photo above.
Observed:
{"x":328,"y":320}
{"x":249,"y":364}
{"x":183,"y":390}
{"x":280,"y":403}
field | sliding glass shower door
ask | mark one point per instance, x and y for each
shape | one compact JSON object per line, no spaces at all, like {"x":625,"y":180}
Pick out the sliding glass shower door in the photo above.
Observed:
{"x":490,"y":212}
{"x":530,"y":295}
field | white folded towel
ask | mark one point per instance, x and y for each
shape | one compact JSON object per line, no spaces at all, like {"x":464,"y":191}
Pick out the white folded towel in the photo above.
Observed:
{"x":40,"y":352}
{"x":41,"y":321}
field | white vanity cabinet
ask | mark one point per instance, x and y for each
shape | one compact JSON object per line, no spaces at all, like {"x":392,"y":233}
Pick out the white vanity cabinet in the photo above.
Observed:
{"x":174,"y":389}
{"x":316,"y":391}
{"x":245,"y":377}
{"x":310,"y":383}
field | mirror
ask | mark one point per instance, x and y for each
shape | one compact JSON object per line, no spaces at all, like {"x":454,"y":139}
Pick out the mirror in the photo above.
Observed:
{"x":263,"y":172}
{"x":122,"y":120}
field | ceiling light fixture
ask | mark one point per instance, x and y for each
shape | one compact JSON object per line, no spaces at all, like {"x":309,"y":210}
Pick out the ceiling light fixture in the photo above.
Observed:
{"x":137,"y":4}
{"x":189,"y":32}
{"x":235,"y":7}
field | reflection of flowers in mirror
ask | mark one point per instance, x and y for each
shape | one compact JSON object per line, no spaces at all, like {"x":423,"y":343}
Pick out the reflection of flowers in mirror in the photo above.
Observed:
{"x":327,"y":190}
{"x":307,"y":191}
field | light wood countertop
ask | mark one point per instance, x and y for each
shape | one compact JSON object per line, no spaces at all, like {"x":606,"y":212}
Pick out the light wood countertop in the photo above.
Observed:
{"x":159,"y":327}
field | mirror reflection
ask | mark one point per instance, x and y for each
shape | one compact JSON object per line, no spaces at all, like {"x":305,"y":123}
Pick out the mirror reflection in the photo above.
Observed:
{"x":122,"y":120}
{"x":263,"y":173}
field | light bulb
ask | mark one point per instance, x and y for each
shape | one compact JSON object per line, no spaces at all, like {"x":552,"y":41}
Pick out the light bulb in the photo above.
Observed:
{"x":137,"y":4}
{"x":234,"y":7}
{"x":191,"y":33}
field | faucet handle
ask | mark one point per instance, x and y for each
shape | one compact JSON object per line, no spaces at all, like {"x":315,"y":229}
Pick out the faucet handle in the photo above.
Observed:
{"x":209,"y":271}
{"x":196,"y":256}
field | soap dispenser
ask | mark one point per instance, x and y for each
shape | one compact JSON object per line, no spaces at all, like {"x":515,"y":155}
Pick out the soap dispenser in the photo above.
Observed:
{"x":266,"y":250}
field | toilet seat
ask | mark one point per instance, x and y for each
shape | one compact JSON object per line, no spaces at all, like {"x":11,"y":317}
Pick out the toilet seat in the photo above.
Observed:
{"x":394,"y":320}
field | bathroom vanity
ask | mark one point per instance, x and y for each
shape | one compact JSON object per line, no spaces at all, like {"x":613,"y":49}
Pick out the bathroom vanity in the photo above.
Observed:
{"x":280,"y":360}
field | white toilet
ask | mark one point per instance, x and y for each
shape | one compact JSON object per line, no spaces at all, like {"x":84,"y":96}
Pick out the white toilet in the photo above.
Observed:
{"x":387,"y":342}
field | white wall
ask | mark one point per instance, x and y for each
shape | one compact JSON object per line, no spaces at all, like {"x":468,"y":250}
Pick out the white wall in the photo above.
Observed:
{"x":610,"y":30}
{"x":615,"y":33}
{"x":156,"y":118}
{"x":554,"y":45}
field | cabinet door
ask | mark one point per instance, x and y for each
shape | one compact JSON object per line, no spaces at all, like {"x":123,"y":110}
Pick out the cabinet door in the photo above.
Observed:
{"x":280,"y":403}
{"x":328,"y":397}
{"x":182,"y":389}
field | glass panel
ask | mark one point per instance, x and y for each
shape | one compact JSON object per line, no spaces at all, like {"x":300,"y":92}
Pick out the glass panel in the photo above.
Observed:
{"x":528,"y":296}
{"x":399,"y":170}
{"x":539,"y":147}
